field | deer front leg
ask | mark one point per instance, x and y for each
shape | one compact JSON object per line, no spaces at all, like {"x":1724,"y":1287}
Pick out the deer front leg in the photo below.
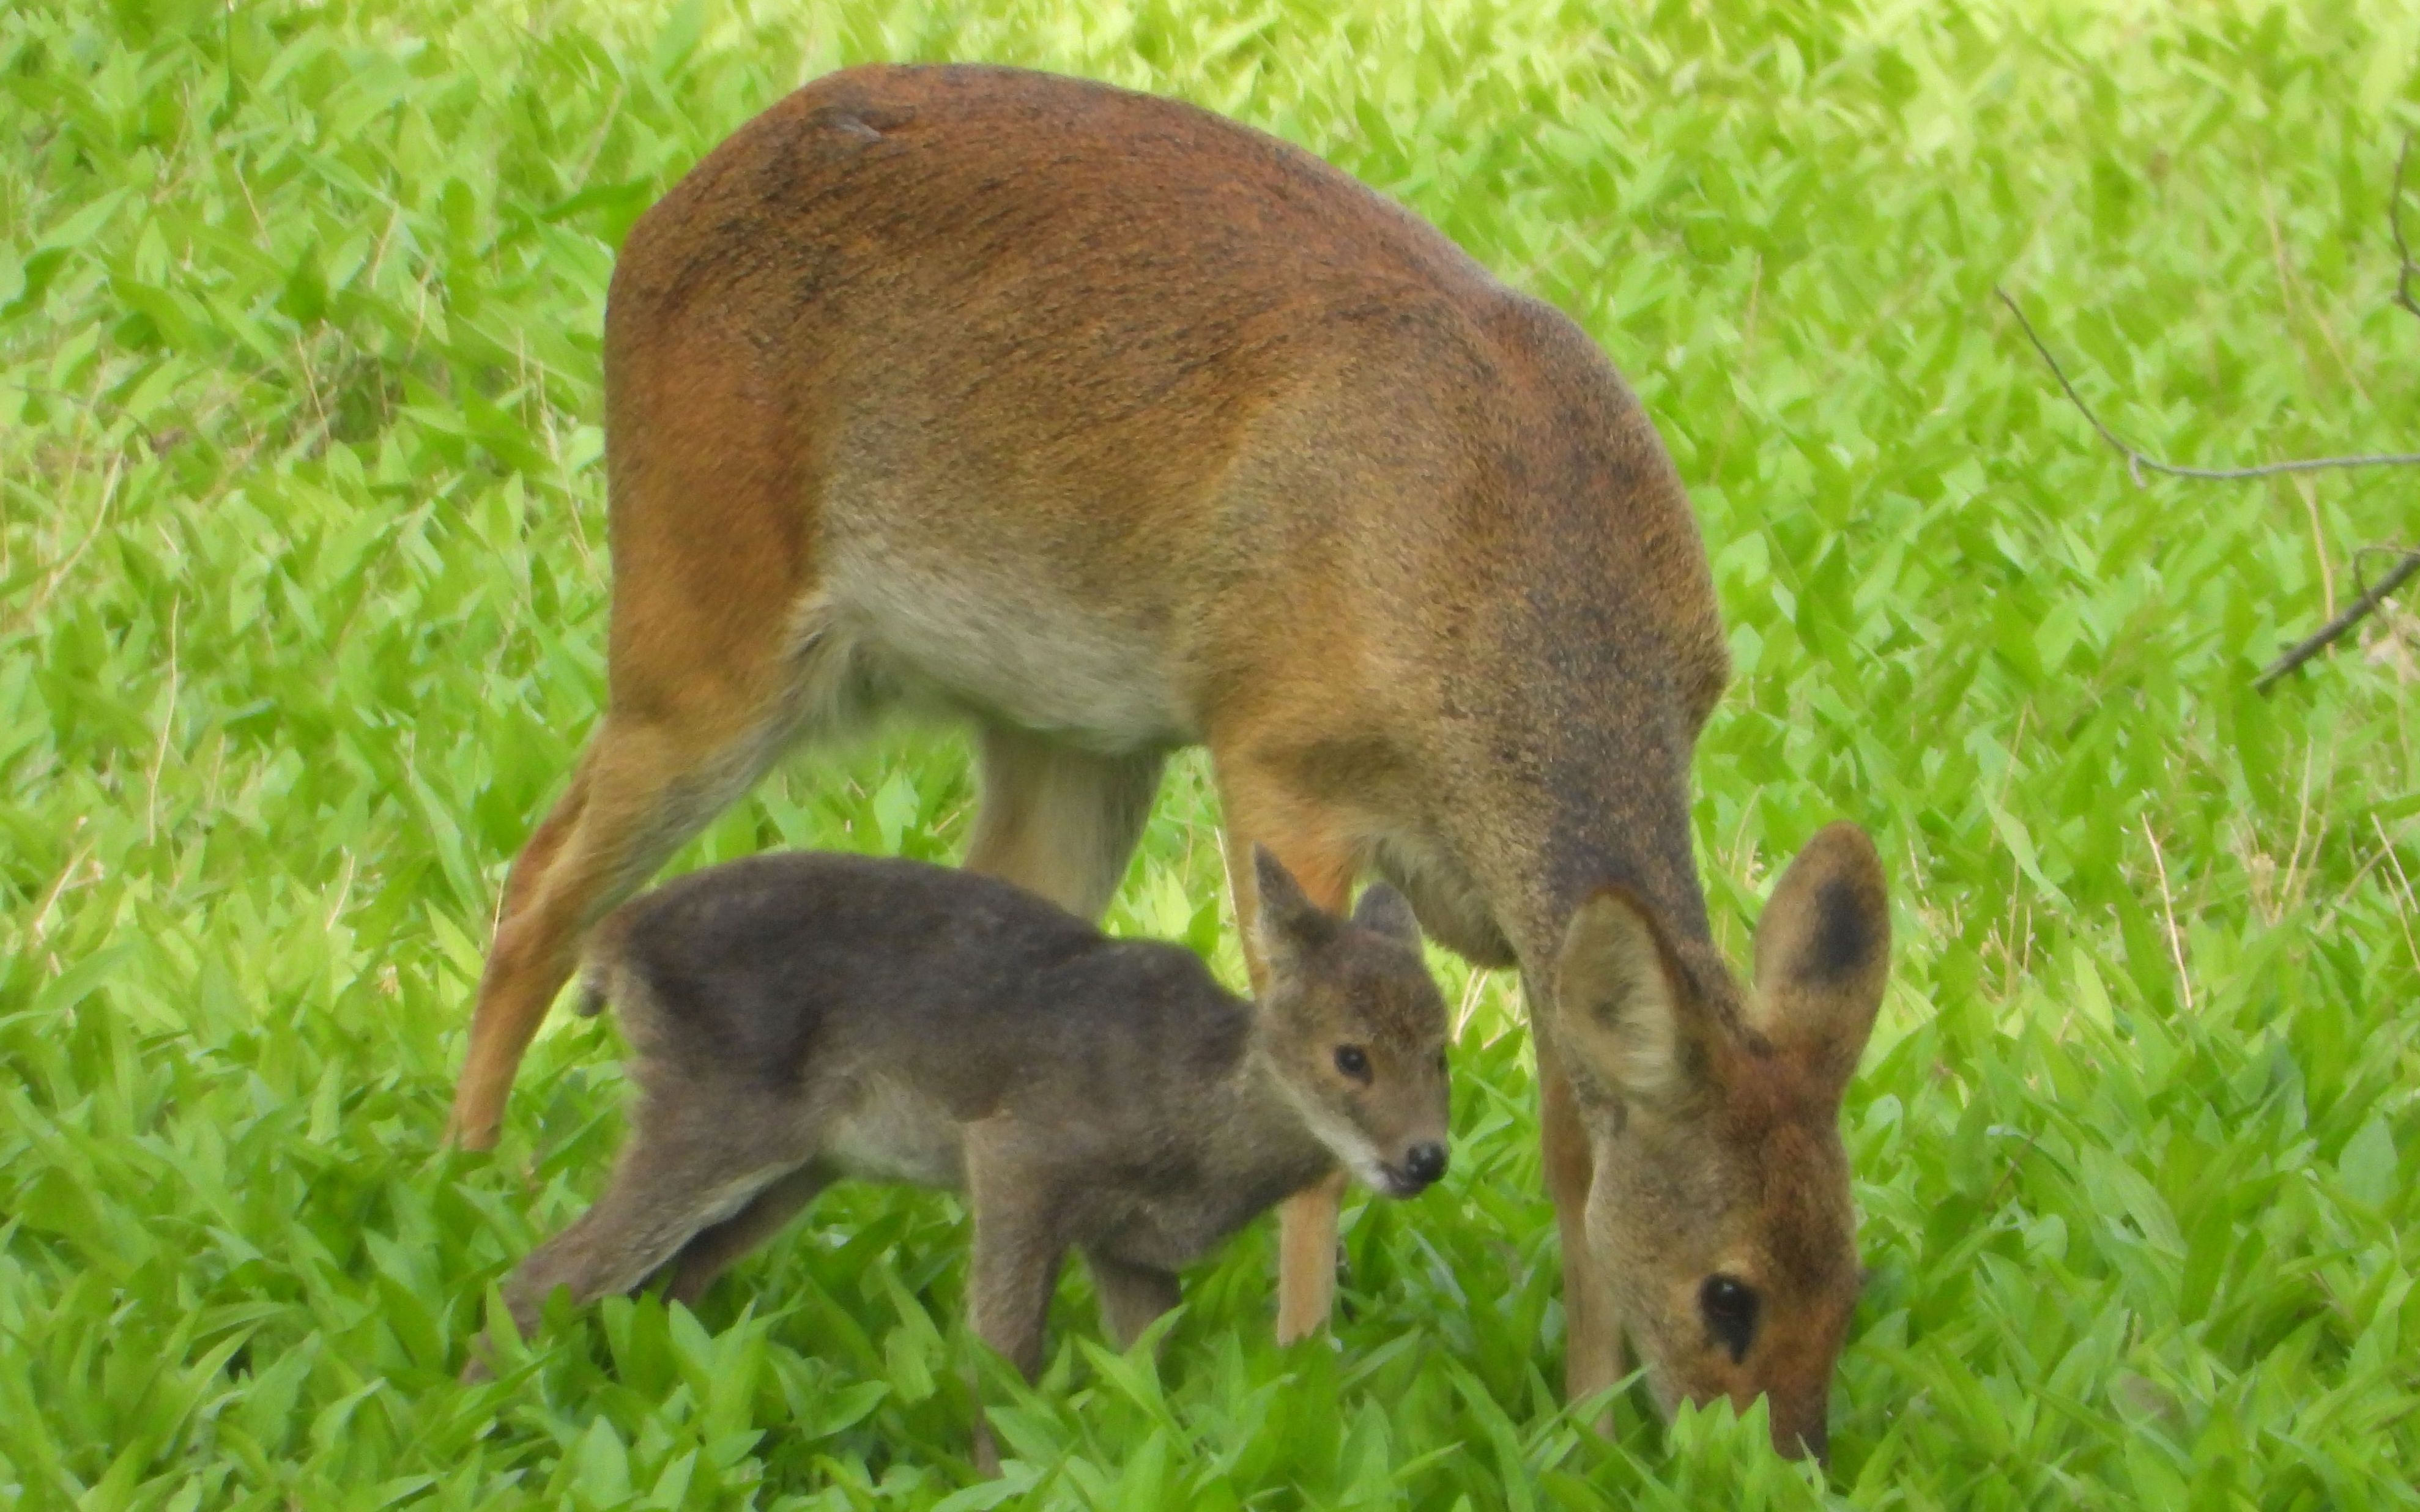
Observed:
{"x":1306,"y":1259}
{"x":1592,"y":1329}
{"x":1259,"y":808}
{"x":1133,"y":1297}
{"x":1014,"y":1267}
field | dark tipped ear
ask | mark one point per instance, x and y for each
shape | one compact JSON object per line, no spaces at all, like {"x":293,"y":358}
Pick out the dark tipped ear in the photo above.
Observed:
{"x":1823,"y":953}
{"x":1621,"y":1012}
{"x":1287,"y":924}
{"x":1390,"y":913}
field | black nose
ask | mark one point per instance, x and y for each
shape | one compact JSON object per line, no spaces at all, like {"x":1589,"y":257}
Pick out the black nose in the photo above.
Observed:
{"x":1425,"y":1163}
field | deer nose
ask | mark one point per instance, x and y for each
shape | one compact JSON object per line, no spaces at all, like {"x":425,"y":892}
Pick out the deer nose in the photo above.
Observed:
{"x":1424,"y":1164}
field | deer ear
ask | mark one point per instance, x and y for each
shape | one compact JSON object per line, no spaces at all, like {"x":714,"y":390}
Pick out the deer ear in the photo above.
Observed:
{"x":1621,"y":1012}
{"x":1823,"y":953}
{"x":1287,"y":924}
{"x":1384,"y":910}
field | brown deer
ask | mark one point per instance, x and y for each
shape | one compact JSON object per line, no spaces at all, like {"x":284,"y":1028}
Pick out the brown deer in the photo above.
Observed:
{"x":804,"y":1018}
{"x":1114,"y":426}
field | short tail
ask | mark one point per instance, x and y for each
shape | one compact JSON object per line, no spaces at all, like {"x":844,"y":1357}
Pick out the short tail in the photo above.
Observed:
{"x":601,"y":964}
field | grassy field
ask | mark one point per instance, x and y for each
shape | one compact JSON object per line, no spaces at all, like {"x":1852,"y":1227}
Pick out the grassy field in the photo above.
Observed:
{"x":301,"y":575}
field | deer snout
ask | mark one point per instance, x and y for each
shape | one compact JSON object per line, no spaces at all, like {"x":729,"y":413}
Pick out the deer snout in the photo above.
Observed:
{"x":1422,"y":1165}
{"x":1801,"y":1432}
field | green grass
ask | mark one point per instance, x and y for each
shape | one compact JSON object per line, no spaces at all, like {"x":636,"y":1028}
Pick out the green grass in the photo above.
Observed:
{"x":300,"y":586}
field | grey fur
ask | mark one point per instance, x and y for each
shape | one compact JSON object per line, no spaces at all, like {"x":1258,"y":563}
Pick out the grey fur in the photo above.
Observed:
{"x":797,"y":1019}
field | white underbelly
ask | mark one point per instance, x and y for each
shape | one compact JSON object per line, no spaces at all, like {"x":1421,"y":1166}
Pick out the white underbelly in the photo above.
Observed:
{"x":890,"y":1133}
{"x":1017,"y":651}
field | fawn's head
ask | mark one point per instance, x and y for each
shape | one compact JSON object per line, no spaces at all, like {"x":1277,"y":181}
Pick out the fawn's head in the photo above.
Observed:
{"x":1354,"y":1029}
{"x":1719,"y":1205}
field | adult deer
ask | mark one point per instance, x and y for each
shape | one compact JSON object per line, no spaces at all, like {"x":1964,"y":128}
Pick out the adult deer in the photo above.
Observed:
{"x":1115,"y":426}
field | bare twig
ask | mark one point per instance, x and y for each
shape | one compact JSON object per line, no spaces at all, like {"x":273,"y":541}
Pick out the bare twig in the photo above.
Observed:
{"x":168,"y":727}
{"x":2326,"y":634}
{"x":2168,"y":907}
{"x":2136,"y":460}
{"x":2410,"y":904}
{"x":2405,"y":267}
{"x":2008,"y":1174}
{"x":2319,"y":545}
{"x":1471,"y":990}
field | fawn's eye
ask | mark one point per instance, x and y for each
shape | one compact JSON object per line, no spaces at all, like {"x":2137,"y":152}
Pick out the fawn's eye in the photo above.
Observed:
{"x":1352,"y":1062}
{"x":1729,"y":1306}
{"x":1441,"y":1063}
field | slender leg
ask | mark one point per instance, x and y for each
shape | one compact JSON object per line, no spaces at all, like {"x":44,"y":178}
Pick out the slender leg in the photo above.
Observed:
{"x":712,"y":1251}
{"x":678,"y":1175}
{"x":1301,"y":835}
{"x":1059,"y":820}
{"x":1308,"y":1258}
{"x":1133,"y":1297}
{"x":530,"y":868}
{"x":645,"y":787}
{"x":1013,"y":1266}
{"x":1011,"y":1275}
{"x":1592,"y":1329}
{"x":718,"y":649}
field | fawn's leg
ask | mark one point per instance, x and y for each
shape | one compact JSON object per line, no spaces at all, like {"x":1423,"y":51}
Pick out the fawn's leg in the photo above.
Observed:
{"x":713,"y":1250}
{"x":1059,"y":820}
{"x":1301,"y":834}
{"x":1133,"y":1297}
{"x":685,"y":1169}
{"x":1013,"y":1266}
{"x":1592,"y":1329}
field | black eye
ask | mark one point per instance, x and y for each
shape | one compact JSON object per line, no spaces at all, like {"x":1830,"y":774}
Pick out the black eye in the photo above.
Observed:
{"x":1441,"y":1063}
{"x":1352,"y":1062}
{"x":1729,"y":1306}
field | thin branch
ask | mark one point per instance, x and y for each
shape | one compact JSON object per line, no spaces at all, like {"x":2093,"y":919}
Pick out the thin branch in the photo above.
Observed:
{"x":2326,"y":634}
{"x":2136,"y":461}
{"x":2405,"y":267}
{"x":2168,"y":907}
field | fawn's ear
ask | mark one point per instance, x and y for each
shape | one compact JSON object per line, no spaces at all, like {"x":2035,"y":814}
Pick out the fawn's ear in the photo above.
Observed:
{"x":1287,"y":924}
{"x":1822,"y":954}
{"x":1622,"y":1010}
{"x":1389,"y":913}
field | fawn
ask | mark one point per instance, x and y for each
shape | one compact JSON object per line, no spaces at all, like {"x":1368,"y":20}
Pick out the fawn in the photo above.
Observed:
{"x":1114,"y":426}
{"x":801,"y":1018}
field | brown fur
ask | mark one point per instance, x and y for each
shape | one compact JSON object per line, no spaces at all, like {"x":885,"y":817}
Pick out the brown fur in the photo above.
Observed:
{"x":801,"y":1018}
{"x":1114,"y":427}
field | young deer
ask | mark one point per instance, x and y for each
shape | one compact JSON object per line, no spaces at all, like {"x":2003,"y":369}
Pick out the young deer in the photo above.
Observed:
{"x":1114,"y":426}
{"x":801,"y":1018}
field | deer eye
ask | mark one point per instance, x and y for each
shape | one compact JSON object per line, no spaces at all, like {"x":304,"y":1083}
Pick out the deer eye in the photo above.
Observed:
{"x":1352,"y":1062}
{"x":1729,"y":1306}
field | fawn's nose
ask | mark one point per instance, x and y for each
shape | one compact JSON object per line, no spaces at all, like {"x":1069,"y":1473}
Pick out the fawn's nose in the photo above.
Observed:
{"x":1424,"y":1164}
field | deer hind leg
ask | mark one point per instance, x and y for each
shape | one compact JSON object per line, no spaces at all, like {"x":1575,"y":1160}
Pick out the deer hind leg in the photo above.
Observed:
{"x":1302,"y":836}
{"x":645,"y":786}
{"x":719,"y":649}
{"x":713,"y":1250}
{"x":1059,"y":820}
{"x":680,"y":1175}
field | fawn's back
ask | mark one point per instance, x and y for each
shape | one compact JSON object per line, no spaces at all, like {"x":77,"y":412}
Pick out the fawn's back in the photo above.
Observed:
{"x":865,"y":989}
